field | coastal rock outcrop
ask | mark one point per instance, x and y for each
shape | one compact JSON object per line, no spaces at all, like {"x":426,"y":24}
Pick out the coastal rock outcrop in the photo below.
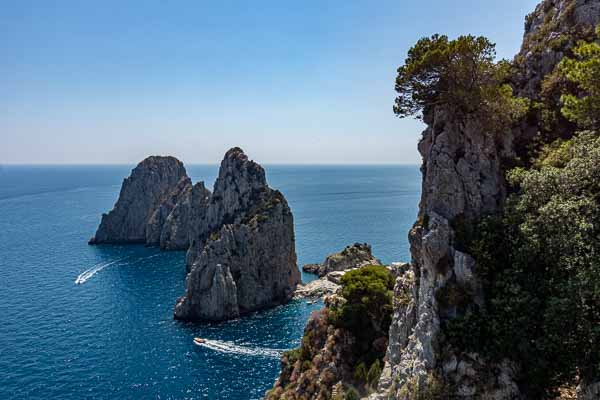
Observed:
{"x":240,"y":241}
{"x":463,"y":179}
{"x":138,"y":213}
{"x":158,"y":220}
{"x":187,"y":215}
{"x":243,"y":258}
{"x":354,"y":256}
{"x":320,"y":366}
{"x":551,"y":30}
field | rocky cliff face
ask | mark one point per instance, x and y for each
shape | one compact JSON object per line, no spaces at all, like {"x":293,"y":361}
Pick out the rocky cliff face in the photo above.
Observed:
{"x":158,"y":220}
{"x":319,"y":367}
{"x":354,"y":256}
{"x":144,"y":199}
{"x":243,"y":258}
{"x":185,"y":218}
{"x":463,"y":180}
{"x":238,"y":188}
{"x":550,"y":31}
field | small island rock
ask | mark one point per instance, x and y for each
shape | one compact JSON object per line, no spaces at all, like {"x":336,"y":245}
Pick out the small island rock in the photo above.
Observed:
{"x":354,"y":256}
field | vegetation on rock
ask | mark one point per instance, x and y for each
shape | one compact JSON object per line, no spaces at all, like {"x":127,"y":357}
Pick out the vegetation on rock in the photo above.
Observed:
{"x":367,"y":311}
{"x":583,"y":72}
{"x":539,"y":258}
{"x":344,"y":344}
{"x":460,"y":74}
{"x":540,"y":263}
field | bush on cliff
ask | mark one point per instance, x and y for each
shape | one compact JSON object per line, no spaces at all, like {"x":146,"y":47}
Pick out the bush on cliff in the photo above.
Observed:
{"x":540,"y":263}
{"x":582,"y":105}
{"x":368,"y":292}
{"x":461,"y":75}
{"x":367,"y":312}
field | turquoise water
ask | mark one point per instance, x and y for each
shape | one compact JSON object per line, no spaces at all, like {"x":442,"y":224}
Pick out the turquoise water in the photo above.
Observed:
{"x":112,"y":335}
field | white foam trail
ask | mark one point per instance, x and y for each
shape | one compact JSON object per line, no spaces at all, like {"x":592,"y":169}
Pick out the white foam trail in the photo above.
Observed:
{"x":232,"y":348}
{"x":85,"y":275}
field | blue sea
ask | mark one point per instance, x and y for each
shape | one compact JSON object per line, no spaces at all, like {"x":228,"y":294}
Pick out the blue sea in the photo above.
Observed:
{"x":112,"y":335}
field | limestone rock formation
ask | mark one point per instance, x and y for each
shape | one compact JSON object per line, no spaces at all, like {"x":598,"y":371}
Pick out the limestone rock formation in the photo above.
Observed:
{"x":354,"y":256}
{"x":237,"y":189}
{"x":243,"y":256}
{"x":462,"y":180}
{"x":185,"y":218}
{"x":319,"y":288}
{"x":153,"y":182}
{"x":240,"y":241}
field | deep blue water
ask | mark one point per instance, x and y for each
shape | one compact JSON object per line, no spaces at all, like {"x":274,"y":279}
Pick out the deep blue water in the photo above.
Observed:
{"x":113,"y":336}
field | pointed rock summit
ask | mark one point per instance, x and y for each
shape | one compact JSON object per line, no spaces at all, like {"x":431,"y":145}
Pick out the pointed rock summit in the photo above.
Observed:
{"x":143,"y":202}
{"x":243,"y":259}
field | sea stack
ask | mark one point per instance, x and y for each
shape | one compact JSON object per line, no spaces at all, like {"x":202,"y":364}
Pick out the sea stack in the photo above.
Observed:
{"x":146,"y":197}
{"x":243,"y":256}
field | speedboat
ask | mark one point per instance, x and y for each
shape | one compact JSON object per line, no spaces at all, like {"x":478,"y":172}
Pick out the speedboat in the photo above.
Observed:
{"x":199,"y":340}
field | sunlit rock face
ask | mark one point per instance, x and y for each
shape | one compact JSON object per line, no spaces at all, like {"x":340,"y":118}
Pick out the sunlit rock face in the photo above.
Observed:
{"x":242,"y":257}
{"x":240,"y":242}
{"x":353,"y":256}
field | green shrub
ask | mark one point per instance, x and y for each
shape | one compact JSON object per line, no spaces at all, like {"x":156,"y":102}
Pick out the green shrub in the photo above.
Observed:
{"x":351,"y":394}
{"x":374,"y":374}
{"x":460,"y":75}
{"x":367,"y":314}
{"x":360,"y":372}
{"x":540,"y":265}
{"x":292,"y":355}
{"x":582,"y":106}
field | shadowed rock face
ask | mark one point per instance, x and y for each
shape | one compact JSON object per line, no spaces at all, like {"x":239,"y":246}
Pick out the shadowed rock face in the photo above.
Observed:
{"x":243,"y":256}
{"x":186,"y":217}
{"x":157,"y":222}
{"x":144,"y":199}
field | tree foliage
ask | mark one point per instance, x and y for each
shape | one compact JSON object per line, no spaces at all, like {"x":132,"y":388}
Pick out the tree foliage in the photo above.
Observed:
{"x":368,"y":292}
{"x":367,"y":310}
{"x":541,"y":266}
{"x":460,"y":74}
{"x":583,"y":71}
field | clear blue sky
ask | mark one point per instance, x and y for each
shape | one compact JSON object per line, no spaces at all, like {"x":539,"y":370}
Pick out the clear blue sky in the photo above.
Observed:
{"x":290,"y":82}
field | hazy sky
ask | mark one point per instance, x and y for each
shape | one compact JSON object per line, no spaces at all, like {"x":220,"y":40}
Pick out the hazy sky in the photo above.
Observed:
{"x":290,"y":82}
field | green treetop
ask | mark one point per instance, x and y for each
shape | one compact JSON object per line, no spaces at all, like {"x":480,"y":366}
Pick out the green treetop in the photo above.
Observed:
{"x":459,"y":74}
{"x":583,"y":71}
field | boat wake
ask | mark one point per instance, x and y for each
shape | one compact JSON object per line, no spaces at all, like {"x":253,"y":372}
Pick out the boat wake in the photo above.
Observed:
{"x":232,"y":348}
{"x":87,"y":274}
